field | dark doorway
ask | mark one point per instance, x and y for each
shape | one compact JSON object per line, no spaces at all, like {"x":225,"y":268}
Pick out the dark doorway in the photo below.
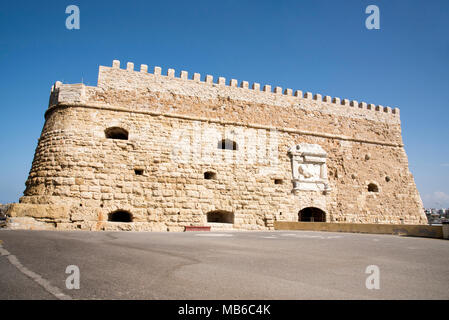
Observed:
{"x":220,"y":216}
{"x":311,"y":214}
{"x":120,"y":216}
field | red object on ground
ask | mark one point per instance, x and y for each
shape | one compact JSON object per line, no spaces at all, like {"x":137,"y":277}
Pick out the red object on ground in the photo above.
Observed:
{"x":196,"y":228}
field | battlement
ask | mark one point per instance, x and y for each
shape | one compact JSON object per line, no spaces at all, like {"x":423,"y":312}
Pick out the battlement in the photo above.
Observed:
{"x":241,"y":91}
{"x":232,"y":102}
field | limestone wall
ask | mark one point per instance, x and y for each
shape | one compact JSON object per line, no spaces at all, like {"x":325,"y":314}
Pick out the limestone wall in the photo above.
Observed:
{"x":174,"y":125}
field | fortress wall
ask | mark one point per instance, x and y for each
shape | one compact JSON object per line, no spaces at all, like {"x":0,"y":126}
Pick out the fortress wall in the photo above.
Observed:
{"x":75,"y":165}
{"x":142,"y":91}
{"x":95,"y":175}
{"x":206,"y":89}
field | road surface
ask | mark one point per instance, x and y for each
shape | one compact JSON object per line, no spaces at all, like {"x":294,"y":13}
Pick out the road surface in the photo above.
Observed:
{"x":221,"y":265}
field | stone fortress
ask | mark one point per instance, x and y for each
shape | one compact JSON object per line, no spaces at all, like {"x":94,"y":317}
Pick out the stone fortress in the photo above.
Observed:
{"x":147,"y":151}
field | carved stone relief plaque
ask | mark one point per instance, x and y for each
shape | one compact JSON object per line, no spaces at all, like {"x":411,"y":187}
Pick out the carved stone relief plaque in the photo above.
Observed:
{"x":309,"y":168}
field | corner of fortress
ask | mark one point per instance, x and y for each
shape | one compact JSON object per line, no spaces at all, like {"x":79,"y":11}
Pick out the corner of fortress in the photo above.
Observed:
{"x":147,"y":151}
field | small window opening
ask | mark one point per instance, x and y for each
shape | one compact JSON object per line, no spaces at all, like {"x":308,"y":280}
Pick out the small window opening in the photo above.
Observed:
{"x":278,"y":181}
{"x":116,"y":133}
{"x":138,"y":172}
{"x":227,"y":144}
{"x":373,"y":187}
{"x":209,"y":175}
{"x":120,"y":216}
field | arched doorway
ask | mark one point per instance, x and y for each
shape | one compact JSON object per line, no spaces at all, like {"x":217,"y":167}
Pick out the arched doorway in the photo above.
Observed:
{"x":312,"y":214}
{"x":120,"y":216}
{"x":220,"y":216}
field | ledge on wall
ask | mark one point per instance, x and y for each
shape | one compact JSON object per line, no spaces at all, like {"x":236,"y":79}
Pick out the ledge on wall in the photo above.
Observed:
{"x":395,"y":229}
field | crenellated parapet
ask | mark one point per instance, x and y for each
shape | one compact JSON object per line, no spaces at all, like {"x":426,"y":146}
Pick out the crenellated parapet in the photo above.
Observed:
{"x":206,"y":88}
{"x":196,"y":98}
{"x":129,"y":78}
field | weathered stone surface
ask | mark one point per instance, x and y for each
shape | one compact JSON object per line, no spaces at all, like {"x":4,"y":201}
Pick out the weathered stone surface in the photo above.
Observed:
{"x":28,"y":223}
{"x":173,"y":127}
{"x":3,"y":209}
{"x":38,"y":211}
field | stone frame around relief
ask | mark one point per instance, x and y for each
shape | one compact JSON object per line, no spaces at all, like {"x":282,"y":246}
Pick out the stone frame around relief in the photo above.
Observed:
{"x":309,"y":169}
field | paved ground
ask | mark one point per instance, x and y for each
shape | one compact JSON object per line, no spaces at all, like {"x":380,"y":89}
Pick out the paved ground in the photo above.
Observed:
{"x":237,"y":265}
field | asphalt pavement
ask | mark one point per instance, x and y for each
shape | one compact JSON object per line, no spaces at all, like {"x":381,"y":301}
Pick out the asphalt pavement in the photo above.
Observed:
{"x":221,"y":265}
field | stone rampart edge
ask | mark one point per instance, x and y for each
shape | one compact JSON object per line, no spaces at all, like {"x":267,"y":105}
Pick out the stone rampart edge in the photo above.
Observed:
{"x":184,"y":117}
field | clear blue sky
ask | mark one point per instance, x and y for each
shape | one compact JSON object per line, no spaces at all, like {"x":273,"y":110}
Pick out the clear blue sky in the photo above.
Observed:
{"x":314,"y":45}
